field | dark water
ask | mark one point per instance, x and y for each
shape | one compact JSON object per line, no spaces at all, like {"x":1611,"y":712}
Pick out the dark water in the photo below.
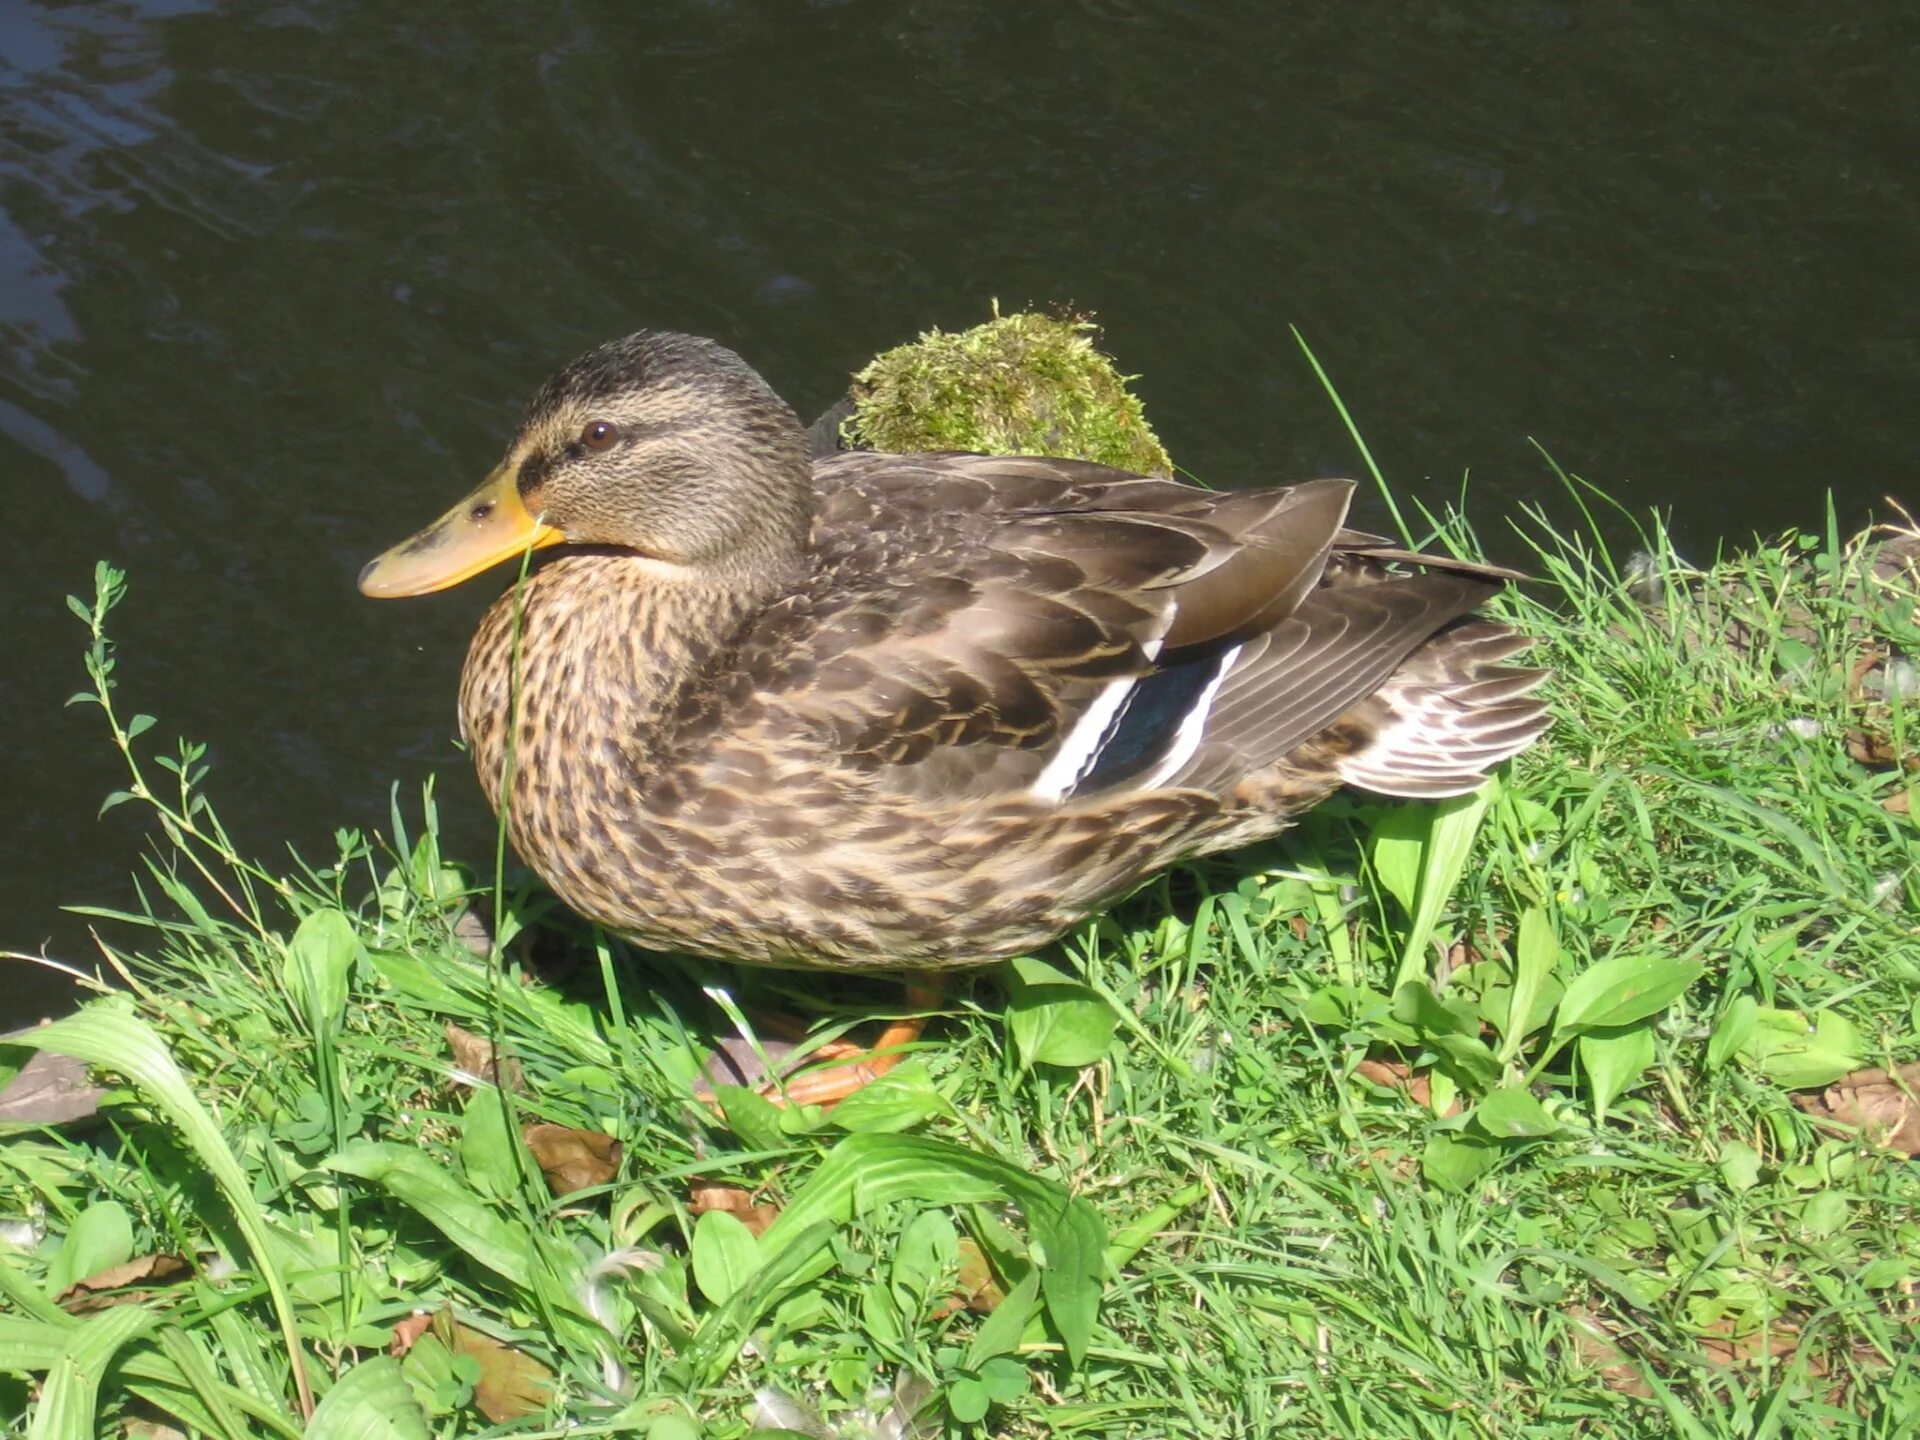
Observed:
{"x":275,"y":278}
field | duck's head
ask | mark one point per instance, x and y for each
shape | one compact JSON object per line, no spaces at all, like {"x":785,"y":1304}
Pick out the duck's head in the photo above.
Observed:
{"x":667,"y":446}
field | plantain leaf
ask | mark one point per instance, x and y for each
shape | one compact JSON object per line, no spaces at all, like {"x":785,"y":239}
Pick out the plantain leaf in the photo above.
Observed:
{"x":372,"y":1401}
{"x":1621,"y":991}
{"x":419,"y":1181}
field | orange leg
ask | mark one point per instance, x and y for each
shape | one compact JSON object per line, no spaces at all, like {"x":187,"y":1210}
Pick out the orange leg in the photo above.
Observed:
{"x":851,"y":1066}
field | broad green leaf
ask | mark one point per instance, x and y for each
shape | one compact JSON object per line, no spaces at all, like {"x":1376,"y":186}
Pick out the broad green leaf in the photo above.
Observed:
{"x":1511,"y":1112}
{"x":725,"y":1255}
{"x":1739,"y":1165}
{"x":1614,"y":1061}
{"x":925,"y":1259}
{"x":1536,"y":956}
{"x":1054,"y":1019}
{"x":1470,"y":1056}
{"x":31,"y":1346}
{"x":1396,"y":845}
{"x":488,"y":1142}
{"x":1797,"y":1053}
{"x":1453,"y":824}
{"x":70,"y":1398}
{"x":1006,"y":1379}
{"x":416,"y":1179}
{"x":1454,"y":1163}
{"x":372,"y":1401}
{"x":1622,"y":990}
{"x":100,"y":1237}
{"x":1354,"y":1007}
{"x":1732,"y":1030}
{"x":716,"y":1344}
{"x":753,"y":1117}
{"x":864,"y":1171}
{"x":1000,"y":1332}
{"x":899,"y":1100}
{"x":1825,"y":1213}
{"x":1497,"y":1009}
{"x":969,"y":1400}
{"x":1415,"y":1005}
{"x":320,"y":958}
{"x":106,"y":1034}
{"x":416,"y":981}
{"x":1071,"y":1252}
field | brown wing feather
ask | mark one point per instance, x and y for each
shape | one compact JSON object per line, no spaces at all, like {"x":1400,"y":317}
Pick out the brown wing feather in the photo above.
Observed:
{"x":966,"y":610}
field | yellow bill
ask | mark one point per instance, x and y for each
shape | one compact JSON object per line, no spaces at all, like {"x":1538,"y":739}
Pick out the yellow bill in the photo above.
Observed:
{"x":490,"y":525}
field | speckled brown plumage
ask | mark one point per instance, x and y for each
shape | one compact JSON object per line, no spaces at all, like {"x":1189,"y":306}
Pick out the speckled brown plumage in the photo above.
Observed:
{"x":833,"y":713}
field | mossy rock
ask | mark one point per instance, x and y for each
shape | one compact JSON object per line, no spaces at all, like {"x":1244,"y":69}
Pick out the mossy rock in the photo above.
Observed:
{"x":1021,"y":384}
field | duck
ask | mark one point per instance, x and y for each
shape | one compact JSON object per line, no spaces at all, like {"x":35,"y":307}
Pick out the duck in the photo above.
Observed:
{"x":867,"y":712}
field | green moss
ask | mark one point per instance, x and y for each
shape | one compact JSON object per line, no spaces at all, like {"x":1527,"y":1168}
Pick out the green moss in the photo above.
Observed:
{"x":1021,"y":384}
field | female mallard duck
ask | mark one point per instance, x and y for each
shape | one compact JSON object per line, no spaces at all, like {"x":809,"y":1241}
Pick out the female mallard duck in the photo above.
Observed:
{"x":905,"y":712}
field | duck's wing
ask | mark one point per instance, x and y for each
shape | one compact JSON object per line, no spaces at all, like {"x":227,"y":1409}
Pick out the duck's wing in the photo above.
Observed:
{"x":985,"y":627}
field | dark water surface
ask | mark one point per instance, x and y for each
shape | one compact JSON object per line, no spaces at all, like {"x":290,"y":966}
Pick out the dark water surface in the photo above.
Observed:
{"x":275,"y":279}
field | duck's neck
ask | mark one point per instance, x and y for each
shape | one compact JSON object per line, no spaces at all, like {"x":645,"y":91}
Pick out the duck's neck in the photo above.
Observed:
{"x":596,"y":658}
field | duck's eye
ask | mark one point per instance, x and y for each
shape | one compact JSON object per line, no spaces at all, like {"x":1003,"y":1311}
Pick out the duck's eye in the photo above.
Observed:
{"x":600,"y":435}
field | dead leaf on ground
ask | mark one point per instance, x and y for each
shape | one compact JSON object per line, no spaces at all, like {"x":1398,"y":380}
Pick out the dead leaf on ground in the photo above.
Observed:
{"x":1882,"y":1106}
{"x":132,"y":1281}
{"x":1597,"y":1346}
{"x":512,"y":1383}
{"x":976,"y":1289}
{"x":735,"y":1201}
{"x":151,"y":1430}
{"x":573,"y":1159}
{"x":1898,"y":803}
{"x":1396,"y":1075}
{"x":1877,"y":752}
{"x":1723,"y":1347}
{"x":479,"y":1057}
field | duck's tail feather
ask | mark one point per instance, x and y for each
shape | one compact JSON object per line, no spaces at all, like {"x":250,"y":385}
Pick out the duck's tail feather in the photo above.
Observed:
{"x":1448,"y":715}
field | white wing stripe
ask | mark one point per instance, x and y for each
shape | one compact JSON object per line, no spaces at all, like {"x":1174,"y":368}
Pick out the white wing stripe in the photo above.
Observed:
{"x":1082,"y":745}
{"x":1193,"y":725}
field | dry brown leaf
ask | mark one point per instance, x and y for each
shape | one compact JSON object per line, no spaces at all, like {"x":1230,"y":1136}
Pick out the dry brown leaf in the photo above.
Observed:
{"x":123,"y":1284}
{"x":478,"y":1056}
{"x":1395,"y":1075}
{"x":573,"y":1159}
{"x":1594,"y":1342}
{"x":1777,"y":1342}
{"x":512,"y":1383}
{"x":1390,"y":1073}
{"x":408,"y":1331}
{"x":1898,"y":803}
{"x":151,"y":1430}
{"x":1876,"y":751}
{"x":735,"y":1201}
{"x":976,"y":1289}
{"x":1881,"y":1106}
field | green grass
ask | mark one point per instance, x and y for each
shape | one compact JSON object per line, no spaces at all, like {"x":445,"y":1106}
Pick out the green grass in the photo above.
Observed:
{"x":1687,"y":900}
